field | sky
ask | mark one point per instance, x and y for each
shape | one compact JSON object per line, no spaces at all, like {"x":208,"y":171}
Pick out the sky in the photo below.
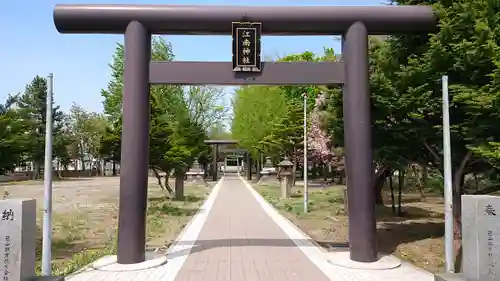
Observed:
{"x":30,"y":45}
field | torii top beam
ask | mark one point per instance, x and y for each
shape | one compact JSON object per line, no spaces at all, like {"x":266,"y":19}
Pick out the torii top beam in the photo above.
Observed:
{"x":221,"y":141}
{"x":207,"y":19}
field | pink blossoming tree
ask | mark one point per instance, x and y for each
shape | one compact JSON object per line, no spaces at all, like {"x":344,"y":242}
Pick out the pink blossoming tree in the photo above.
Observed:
{"x":318,"y":139}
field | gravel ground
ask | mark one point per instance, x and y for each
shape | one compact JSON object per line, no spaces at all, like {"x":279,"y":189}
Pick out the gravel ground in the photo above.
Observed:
{"x":74,"y":194}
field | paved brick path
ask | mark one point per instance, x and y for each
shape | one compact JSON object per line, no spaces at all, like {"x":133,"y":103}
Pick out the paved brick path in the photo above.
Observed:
{"x":240,"y":242}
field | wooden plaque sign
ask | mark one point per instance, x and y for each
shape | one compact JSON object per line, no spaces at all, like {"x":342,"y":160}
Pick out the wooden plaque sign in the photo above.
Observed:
{"x":246,"y":46}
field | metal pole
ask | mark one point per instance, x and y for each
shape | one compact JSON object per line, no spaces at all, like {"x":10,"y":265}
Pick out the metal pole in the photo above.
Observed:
{"x":448,"y":188}
{"x":305,"y":155}
{"x":47,"y":178}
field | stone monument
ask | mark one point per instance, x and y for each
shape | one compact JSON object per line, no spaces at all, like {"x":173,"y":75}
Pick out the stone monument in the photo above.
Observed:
{"x":481,"y":237}
{"x":285,"y":176}
{"x":268,"y":174}
{"x":17,"y":239}
{"x":480,"y":240}
{"x":196,"y":174}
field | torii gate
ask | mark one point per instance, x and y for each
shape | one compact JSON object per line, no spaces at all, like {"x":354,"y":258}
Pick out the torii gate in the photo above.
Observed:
{"x":215,"y":152}
{"x":138,"y":22}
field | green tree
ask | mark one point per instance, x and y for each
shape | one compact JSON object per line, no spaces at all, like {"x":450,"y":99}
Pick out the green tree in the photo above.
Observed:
{"x":206,"y":107}
{"x":11,"y":137}
{"x":67,"y":154}
{"x":164,"y":109}
{"x":110,"y":145}
{"x":287,"y":133}
{"x":255,"y":111}
{"x":87,"y":130}
{"x":406,"y":94}
{"x":32,"y":109}
{"x":173,"y":143}
{"x":187,"y":140}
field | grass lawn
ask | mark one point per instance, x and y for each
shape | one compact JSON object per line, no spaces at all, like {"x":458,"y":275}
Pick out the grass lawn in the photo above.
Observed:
{"x":416,"y":236}
{"x":85,"y":218}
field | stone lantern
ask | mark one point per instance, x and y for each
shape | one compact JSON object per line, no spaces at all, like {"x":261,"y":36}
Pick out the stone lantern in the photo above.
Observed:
{"x":268,"y":174}
{"x":285,"y":175}
{"x":196,"y":174}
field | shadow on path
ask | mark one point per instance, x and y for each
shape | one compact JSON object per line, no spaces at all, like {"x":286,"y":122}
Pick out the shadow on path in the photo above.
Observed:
{"x":388,"y":240}
{"x":203,"y":245}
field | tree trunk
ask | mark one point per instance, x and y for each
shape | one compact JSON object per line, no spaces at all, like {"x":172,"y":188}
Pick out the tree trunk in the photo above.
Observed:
{"x":179,"y":184}
{"x":476,"y":181}
{"x":36,"y":170}
{"x":457,"y":218}
{"x":294,"y":173}
{"x":379,"y":199}
{"x":114,"y":167}
{"x":98,"y":168}
{"x":346,"y":204}
{"x":393,"y":201}
{"x":295,"y":160}
{"x":167,"y":184}
{"x":341,"y":177}
{"x":401,"y":184}
{"x":249,"y":168}
{"x":168,"y":191}
{"x":458,"y":181}
{"x":425,"y":175}
{"x":420,"y":183}
{"x":258,"y":168}
{"x":58,"y":170}
{"x":378,"y":184}
{"x":101,"y":168}
{"x":83,"y":164}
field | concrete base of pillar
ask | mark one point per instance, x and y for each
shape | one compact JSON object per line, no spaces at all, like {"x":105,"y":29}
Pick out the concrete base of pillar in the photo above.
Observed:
{"x":109,"y":263}
{"x":46,"y":278}
{"x":449,"y":277}
{"x":342,"y":258}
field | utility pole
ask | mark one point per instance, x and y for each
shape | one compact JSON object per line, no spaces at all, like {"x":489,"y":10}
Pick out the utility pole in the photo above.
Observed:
{"x":448,"y":187}
{"x":47,"y":177}
{"x":306,"y":195}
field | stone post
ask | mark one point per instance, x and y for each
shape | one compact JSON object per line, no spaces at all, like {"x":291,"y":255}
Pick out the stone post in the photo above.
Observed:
{"x":17,"y":239}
